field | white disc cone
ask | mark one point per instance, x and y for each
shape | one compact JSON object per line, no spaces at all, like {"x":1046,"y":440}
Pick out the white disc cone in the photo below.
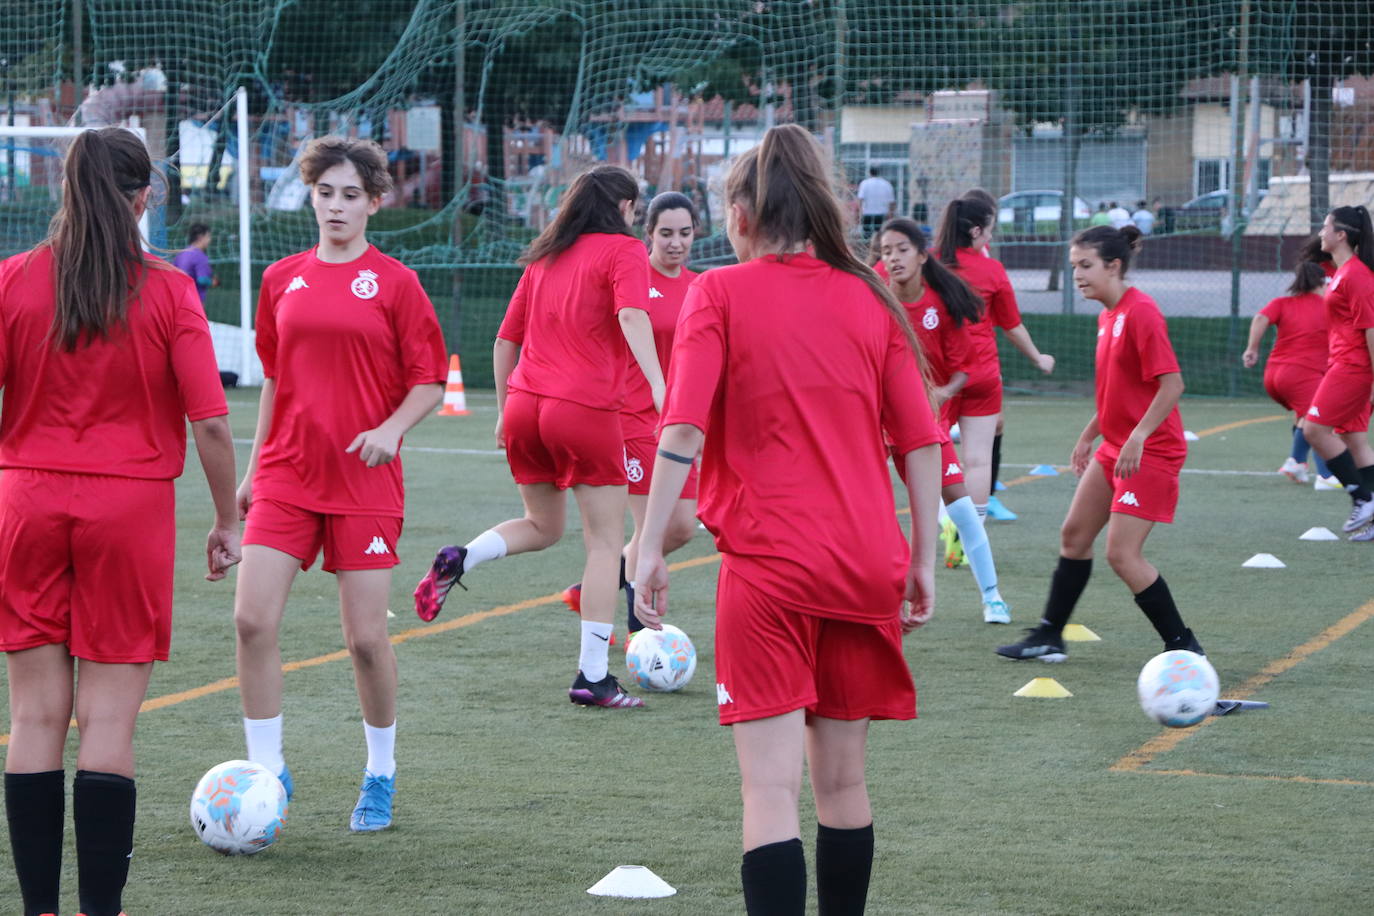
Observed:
{"x":632,"y":881}
{"x":1264,"y":561}
{"x":1318,"y":534}
{"x":1189,"y":436}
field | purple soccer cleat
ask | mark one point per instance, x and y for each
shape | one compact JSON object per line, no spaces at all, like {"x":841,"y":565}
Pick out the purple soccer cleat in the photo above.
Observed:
{"x":606,"y":692}
{"x":446,"y":572}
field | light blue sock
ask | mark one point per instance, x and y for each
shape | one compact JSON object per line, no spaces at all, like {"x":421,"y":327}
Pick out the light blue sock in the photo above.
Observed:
{"x":976,"y":547}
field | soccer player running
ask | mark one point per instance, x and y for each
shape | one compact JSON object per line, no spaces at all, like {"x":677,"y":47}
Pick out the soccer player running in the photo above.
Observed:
{"x":1130,"y":481}
{"x":1337,"y":422}
{"x":87,"y":508}
{"x":670,"y":222}
{"x":1298,"y":361}
{"x":560,"y":362}
{"x":353,"y":358}
{"x":942,"y":308}
{"x":965,"y":231}
{"x":790,"y":366}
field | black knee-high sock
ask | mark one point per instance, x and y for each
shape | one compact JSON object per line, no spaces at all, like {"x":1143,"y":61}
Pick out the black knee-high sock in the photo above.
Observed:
{"x":774,"y":879}
{"x":1158,"y":604}
{"x":1367,"y":477}
{"x":844,"y":862}
{"x":35,"y":805}
{"x":996,"y":461}
{"x":1343,"y":466}
{"x":103,"y":809}
{"x":1066,"y":587}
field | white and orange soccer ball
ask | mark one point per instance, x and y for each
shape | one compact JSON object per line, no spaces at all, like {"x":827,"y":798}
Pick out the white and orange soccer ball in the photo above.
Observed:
{"x":661,"y":660}
{"x":1178,"y":688}
{"x":238,"y":808}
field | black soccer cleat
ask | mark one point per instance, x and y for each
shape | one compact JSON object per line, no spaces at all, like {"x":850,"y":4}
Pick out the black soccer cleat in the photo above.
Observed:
{"x":1039,"y":643}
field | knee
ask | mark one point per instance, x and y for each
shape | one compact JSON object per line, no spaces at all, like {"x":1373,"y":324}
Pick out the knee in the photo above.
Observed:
{"x":547,"y":532}
{"x":369,"y":651}
{"x":42,"y":716}
{"x":253,"y":627}
{"x":1123,"y":562}
{"x":835,"y":786}
{"x":1074,"y":542}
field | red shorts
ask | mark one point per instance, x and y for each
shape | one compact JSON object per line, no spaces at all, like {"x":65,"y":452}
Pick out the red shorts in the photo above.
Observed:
{"x":87,"y":561}
{"x":1342,"y":399}
{"x":640,"y":453}
{"x":950,"y":470}
{"x":1150,"y":493}
{"x":1291,"y":386}
{"x":349,"y":541}
{"x":771,"y":660}
{"x":981,"y":397}
{"x":550,"y":440}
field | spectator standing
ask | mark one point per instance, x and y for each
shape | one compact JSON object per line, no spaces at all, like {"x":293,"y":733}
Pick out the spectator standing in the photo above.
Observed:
{"x":877,"y":202}
{"x":194,"y":261}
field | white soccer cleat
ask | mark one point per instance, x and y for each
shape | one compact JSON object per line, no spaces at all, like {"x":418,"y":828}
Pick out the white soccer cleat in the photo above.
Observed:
{"x":996,"y":612}
{"x":1362,"y":514}
{"x":1327,"y":483}
{"x":1295,"y":471}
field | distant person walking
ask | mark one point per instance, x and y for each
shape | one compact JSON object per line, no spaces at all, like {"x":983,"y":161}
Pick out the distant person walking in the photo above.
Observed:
{"x":1100,"y":218}
{"x":1143,"y":218}
{"x":194,"y":261}
{"x":877,"y":202}
{"x":1118,"y":216}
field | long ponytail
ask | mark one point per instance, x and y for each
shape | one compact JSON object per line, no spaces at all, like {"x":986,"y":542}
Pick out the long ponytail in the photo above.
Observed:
{"x":1359,"y":231}
{"x":97,"y":248}
{"x":963,"y":304}
{"x":784,"y":183}
{"x":962,"y":215}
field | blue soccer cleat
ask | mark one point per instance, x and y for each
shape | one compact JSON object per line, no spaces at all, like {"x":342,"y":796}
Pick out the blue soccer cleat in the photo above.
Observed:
{"x":373,"y":810}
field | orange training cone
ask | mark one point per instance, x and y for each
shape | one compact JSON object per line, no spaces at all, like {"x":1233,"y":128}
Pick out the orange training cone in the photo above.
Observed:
{"x":455,"y":401}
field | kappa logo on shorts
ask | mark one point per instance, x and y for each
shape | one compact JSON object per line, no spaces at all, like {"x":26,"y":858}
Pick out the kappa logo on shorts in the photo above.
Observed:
{"x":364,"y":285}
{"x":1313,"y":411}
{"x":951,"y":469}
{"x":931,"y":319}
{"x":634,"y":470}
{"x":297,"y":282}
{"x":1128,"y":499}
{"x":378,"y":546}
{"x":1118,"y":325}
{"x":654,"y":293}
{"x":722,"y":695}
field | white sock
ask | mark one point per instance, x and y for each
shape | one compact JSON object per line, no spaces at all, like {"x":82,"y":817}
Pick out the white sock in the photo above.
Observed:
{"x":486,"y":546}
{"x":381,"y":749}
{"x":264,"y":743}
{"x":982,"y":510}
{"x":596,"y":647}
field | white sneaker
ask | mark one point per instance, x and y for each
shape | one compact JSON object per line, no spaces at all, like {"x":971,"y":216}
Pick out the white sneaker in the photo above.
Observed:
{"x":1327,"y":483}
{"x":1295,"y":471}
{"x":1364,"y":534}
{"x":1360,"y":516}
{"x":998,"y":611}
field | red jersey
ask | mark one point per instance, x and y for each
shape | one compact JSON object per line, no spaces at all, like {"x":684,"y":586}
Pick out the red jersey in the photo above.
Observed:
{"x":345,"y":344}
{"x":116,"y":406}
{"x":638,"y":418}
{"x":948,"y":349}
{"x":1300,"y":322}
{"x":793,"y":369}
{"x":989,"y":280}
{"x":1349,"y":313}
{"x":563,"y":316}
{"x":1133,"y":351}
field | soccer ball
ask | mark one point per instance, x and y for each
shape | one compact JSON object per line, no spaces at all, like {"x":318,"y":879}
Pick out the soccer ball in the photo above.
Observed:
{"x":661,"y":660}
{"x":238,"y":808}
{"x":1177,"y":688}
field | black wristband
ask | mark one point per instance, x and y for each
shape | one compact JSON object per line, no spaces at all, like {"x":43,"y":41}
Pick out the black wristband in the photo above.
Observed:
{"x":673,"y":456}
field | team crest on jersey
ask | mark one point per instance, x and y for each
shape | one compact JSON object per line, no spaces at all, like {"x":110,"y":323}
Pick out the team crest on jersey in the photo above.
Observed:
{"x":931,"y":319}
{"x":364,"y":285}
{"x":634,"y":470}
{"x":1118,"y":325}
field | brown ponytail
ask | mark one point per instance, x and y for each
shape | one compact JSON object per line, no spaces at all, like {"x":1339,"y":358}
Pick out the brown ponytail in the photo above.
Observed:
{"x":784,"y":183}
{"x":97,"y":248}
{"x":962,"y":215}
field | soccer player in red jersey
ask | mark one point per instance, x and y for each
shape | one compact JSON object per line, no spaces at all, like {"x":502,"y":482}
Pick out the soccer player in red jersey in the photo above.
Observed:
{"x":353,"y":358}
{"x":789,"y":367}
{"x":561,"y":364}
{"x":1337,"y":422}
{"x":1298,"y":361}
{"x":87,"y":507}
{"x":1129,"y":482}
{"x":942,"y":308}
{"x":670,"y":223}
{"x":965,"y":231}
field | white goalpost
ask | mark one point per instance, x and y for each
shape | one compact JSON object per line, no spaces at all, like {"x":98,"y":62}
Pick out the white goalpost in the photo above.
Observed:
{"x":234,"y":345}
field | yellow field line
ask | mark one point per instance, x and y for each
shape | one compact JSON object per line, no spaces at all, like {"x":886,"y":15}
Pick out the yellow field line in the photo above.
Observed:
{"x":1167,"y":741}
{"x":1239,"y":423}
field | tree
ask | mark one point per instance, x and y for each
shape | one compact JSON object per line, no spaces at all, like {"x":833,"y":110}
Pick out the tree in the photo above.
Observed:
{"x":1321,"y":43}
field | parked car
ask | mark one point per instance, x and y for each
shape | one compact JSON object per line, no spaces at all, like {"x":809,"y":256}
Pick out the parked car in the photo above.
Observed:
{"x":1036,"y":211}
{"x":1207,"y":212}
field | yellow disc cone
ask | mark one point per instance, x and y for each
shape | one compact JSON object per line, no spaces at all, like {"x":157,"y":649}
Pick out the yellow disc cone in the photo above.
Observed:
{"x":1076,"y":632}
{"x":1046,"y":687}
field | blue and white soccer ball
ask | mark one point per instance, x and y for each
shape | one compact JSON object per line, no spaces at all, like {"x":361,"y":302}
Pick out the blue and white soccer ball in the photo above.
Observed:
{"x":238,"y":808}
{"x":1178,"y":688}
{"x":661,"y":660}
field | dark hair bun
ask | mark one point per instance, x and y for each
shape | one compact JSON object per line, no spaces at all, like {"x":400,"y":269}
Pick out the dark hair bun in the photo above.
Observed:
{"x":1134,"y":237}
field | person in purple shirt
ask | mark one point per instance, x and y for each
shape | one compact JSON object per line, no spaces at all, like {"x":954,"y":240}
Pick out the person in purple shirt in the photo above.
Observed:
{"x":194,"y":261}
